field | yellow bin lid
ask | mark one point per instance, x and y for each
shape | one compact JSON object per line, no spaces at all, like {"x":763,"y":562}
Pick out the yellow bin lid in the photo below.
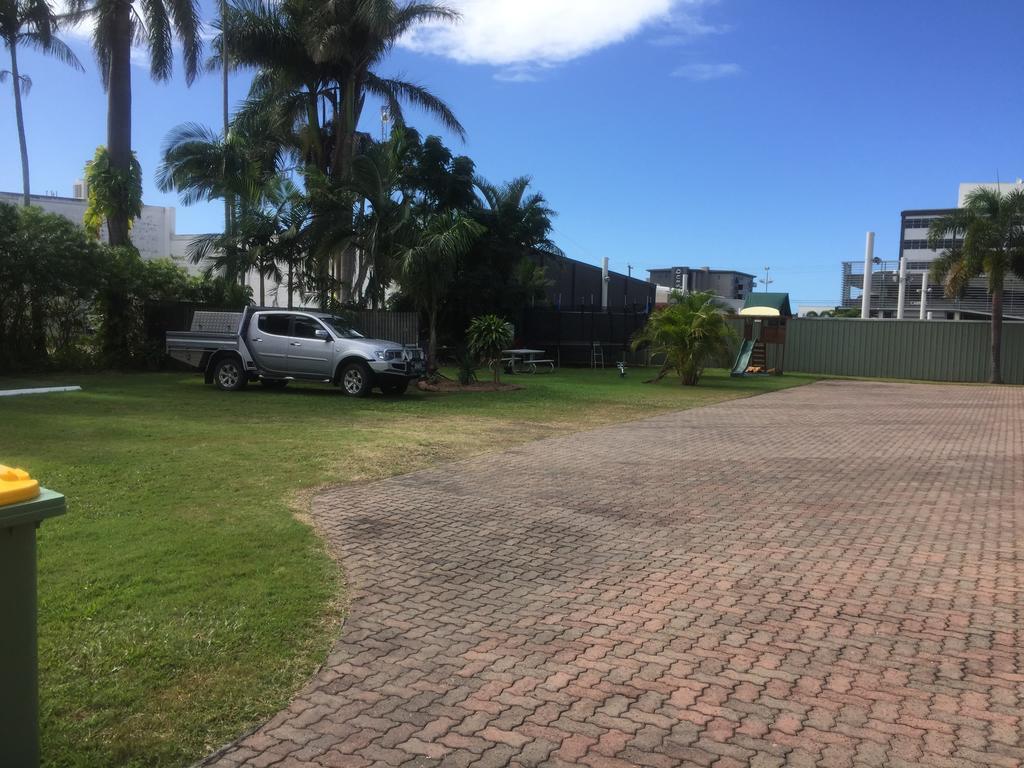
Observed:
{"x":16,"y":485}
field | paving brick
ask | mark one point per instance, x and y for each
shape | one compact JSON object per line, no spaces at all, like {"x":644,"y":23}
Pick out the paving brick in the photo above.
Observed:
{"x":828,"y":576}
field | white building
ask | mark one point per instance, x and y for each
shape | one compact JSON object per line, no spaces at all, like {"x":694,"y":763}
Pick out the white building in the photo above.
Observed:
{"x":153,"y":233}
{"x":1003,"y":186}
{"x":901,"y":288}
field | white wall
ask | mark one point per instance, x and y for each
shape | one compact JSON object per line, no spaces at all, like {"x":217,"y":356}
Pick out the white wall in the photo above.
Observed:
{"x":967,"y":187}
{"x":153,"y":233}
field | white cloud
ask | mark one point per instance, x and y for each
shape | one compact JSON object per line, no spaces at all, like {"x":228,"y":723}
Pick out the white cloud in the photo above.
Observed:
{"x":685,"y":24}
{"x":523,"y":36}
{"x":704,"y":72}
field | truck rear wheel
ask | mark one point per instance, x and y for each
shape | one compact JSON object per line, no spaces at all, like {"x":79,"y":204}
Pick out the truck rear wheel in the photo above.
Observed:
{"x":356,"y":379}
{"x":229,"y":374}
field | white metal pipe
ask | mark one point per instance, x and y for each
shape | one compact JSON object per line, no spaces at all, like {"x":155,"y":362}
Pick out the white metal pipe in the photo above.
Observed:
{"x":604,"y":283}
{"x":901,"y":297}
{"x":869,"y":254}
{"x":924,"y":296}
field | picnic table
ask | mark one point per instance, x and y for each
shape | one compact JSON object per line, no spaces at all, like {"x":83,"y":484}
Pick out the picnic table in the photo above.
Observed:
{"x":525,"y":360}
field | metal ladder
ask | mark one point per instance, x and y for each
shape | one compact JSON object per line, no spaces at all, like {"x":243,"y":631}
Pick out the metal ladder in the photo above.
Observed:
{"x":596,"y":355}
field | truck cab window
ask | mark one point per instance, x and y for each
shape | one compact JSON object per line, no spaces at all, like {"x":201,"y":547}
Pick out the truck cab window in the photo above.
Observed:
{"x":306,"y":328}
{"x":275,"y":325}
{"x":342,"y":327}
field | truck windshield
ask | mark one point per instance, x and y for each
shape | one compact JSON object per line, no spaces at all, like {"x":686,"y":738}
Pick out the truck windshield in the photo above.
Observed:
{"x":342,"y":327}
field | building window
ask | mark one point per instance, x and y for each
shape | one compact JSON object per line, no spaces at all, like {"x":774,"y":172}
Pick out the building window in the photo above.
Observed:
{"x":922,"y":245}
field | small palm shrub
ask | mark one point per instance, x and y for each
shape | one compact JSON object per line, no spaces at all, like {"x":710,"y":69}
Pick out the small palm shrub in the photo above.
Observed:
{"x":486,"y":336}
{"x":691,"y":333}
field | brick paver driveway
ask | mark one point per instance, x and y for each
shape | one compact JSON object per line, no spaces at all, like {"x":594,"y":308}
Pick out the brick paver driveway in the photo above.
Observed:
{"x":831,"y":575}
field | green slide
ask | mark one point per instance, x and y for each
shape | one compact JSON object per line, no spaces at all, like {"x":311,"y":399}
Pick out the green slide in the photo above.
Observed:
{"x":743,"y":358}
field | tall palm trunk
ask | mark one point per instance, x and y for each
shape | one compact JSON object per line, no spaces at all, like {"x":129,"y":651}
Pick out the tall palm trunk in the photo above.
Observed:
{"x":342,"y":166}
{"x":16,"y":78}
{"x":997,"y":335}
{"x":119,"y":112}
{"x":229,"y":200}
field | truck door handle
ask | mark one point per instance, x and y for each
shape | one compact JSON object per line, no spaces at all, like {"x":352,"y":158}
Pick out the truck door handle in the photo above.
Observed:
{"x":296,"y":343}
{"x":257,"y":339}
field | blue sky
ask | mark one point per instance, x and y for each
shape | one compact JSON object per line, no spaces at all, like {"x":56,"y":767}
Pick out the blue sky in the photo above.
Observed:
{"x":728,"y":133}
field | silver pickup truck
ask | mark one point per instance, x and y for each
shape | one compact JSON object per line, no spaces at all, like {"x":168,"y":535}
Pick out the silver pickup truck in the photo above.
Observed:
{"x":276,"y":346}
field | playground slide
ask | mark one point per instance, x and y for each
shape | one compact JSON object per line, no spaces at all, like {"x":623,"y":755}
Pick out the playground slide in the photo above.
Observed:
{"x":743,"y":358}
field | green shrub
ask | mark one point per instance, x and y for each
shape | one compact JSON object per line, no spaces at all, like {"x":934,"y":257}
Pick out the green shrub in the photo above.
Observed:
{"x":487,"y":335}
{"x":49,"y":270}
{"x":70,"y":302}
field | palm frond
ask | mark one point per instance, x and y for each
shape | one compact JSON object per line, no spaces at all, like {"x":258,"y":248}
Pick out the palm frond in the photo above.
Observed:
{"x":159,"y":38}
{"x":60,"y":51}
{"x":185,"y":16}
{"x":395,"y":91}
{"x":415,"y":13}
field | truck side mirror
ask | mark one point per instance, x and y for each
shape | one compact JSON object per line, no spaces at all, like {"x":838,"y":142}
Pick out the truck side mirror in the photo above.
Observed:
{"x":322,"y":334}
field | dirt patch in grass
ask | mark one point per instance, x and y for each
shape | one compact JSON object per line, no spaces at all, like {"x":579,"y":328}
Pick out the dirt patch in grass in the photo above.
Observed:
{"x":447,"y":385}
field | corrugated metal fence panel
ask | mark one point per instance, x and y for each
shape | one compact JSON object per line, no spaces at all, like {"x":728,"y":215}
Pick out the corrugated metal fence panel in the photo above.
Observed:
{"x":403,"y":327}
{"x":1013,"y":353}
{"x":933,"y":350}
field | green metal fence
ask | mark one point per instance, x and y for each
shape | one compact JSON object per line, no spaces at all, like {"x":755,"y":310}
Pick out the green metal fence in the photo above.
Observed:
{"x":933,"y":350}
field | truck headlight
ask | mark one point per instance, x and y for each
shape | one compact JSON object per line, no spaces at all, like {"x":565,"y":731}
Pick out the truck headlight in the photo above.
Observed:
{"x":380,"y":354}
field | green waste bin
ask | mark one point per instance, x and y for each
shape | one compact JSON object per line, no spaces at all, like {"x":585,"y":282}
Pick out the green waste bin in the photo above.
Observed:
{"x":19,"y":681}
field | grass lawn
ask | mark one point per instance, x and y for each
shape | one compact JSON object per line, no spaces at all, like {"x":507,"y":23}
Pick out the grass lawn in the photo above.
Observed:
{"x":181,"y":598}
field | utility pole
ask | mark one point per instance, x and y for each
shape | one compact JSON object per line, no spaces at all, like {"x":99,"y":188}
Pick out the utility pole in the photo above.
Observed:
{"x":604,"y":283}
{"x":901,"y":297}
{"x":869,"y":255}
{"x":767,"y":280}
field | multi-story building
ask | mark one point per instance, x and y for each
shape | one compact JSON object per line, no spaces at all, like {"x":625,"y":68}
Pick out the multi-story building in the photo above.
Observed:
{"x":729,"y":285}
{"x":915,"y":252}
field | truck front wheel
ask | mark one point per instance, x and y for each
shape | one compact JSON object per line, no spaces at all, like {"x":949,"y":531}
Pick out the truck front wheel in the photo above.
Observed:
{"x":229,"y":374}
{"x":356,"y":379}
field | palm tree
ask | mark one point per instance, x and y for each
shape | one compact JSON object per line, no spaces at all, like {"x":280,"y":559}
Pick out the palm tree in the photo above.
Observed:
{"x":351,"y":38}
{"x":204,"y":165}
{"x":290,"y":89}
{"x":32,"y":24}
{"x":531,"y":282}
{"x":486,"y":337}
{"x":427,"y":268}
{"x":691,"y":333}
{"x":270,"y":232}
{"x":317,"y":62}
{"x":519,"y":226}
{"x":239,"y":169}
{"x":988,"y":237}
{"x":378,"y":177}
{"x":118,"y":25}
{"x":519,"y":223}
